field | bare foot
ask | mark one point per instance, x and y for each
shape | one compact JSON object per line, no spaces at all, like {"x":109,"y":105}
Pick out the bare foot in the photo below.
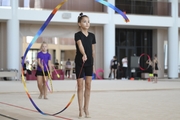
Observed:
{"x":87,"y":114}
{"x":45,"y":98}
{"x":40,"y":96}
{"x":80,"y":114}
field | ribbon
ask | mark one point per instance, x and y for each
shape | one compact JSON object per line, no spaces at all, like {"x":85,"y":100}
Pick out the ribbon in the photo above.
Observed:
{"x":40,"y":32}
{"x":51,"y":90}
{"x":28,"y":48}
{"x":42,"y":28}
{"x":114,"y":8}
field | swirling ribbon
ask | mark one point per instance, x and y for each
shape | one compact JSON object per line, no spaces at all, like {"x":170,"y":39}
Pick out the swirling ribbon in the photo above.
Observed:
{"x":28,"y":48}
{"x":114,"y":8}
{"x":40,"y":32}
{"x":42,"y":28}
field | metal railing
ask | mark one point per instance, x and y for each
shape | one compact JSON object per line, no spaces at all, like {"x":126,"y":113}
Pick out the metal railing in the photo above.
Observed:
{"x":146,"y":8}
{"x":71,"y":5}
{"x":131,"y":7}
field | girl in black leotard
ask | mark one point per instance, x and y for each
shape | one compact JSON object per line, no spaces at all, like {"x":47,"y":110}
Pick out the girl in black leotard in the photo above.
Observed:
{"x":84,"y":61}
{"x":150,"y":63}
{"x":155,"y":69}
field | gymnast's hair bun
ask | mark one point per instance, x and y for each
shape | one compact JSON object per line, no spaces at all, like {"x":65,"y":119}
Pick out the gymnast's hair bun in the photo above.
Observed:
{"x":81,"y":14}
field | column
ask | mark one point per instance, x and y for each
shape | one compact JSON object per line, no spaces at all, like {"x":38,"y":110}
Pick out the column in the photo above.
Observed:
{"x":13,"y":57}
{"x":58,"y":54}
{"x":173,"y":42}
{"x":58,"y":51}
{"x":159,"y":36}
{"x":99,"y":48}
{"x":50,"y":51}
{"x":109,"y":40}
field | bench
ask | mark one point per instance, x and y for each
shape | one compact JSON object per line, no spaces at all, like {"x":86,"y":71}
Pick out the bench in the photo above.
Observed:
{"x":9,"y":73}
{"x":145,"y":75}
{"x":33,"y":77}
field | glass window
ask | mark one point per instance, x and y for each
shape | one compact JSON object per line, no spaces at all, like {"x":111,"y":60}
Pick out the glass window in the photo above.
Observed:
{"x":137,"y":40}
{"x":148,"y":7}
{"x":5,"y":2}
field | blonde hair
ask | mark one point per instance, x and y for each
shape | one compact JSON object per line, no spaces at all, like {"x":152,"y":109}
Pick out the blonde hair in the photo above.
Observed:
{"x":42,"y":44}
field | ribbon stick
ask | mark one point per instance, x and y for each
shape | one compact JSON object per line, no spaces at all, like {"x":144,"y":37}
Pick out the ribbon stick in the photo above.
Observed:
{"x":114,"y":8}
{"x":46,"y":81}
{"x":49,"y":78}
{"x":56,"y":72}
{"x":28,"y":48}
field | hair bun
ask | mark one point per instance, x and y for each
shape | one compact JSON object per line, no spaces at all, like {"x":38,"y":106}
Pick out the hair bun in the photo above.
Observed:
{"x":81,"y":14}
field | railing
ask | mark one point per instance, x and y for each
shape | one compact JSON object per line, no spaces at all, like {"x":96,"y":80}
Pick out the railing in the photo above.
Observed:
{"x":146,"y":8}
{"x":72,"y":5}
{"x":129,"y":6}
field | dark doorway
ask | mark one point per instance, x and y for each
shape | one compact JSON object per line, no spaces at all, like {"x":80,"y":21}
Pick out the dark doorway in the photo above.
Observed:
{"x":133,"y":42}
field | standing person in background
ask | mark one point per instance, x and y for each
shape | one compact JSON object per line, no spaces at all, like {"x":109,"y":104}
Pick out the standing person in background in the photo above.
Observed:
{"x":68,"y":68}
{"x":115,"y":65}
{"x":24,"y":68}
{"x":124,"y":66}
{"x":43,"y":59}
{"x":111,"y":68}
{"x":155,"y":68}
{"x":34,"y":64}
{"x":85,"y":52}
{"x":56,"y":64}
{"x":150,"y":63}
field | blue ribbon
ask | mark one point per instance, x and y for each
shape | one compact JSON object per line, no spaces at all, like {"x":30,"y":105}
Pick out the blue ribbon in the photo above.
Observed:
{"x":28,"y":48}
{"x":114,"y":8}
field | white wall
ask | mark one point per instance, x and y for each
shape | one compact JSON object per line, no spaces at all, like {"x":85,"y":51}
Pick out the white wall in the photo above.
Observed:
{"x":135,"y":20}
{"x":61,"y":31}
{"x":144,"y":20}
{"x":99,"y":49}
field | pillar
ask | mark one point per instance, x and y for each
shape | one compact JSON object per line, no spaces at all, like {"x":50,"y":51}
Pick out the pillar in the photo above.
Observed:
{"x":109,"y":40}
{"x":58,"y":54}
{"x":173,"y":42}
{"x":13,"y":57}
{"x":159,"y":36}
